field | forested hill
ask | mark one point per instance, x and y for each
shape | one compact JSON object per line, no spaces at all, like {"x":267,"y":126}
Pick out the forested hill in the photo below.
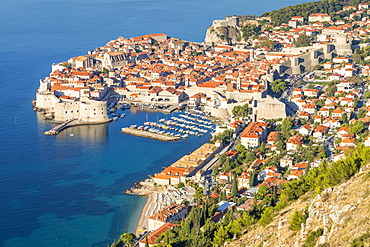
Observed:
{"x":305,"y":9}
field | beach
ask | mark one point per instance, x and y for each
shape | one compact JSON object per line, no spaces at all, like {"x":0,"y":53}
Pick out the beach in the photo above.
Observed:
{"x":143,"y":221}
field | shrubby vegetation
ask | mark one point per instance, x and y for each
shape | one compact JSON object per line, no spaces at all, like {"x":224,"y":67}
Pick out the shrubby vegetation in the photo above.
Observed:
{"x":305,"y":9}
{"x":224,"y":136}
{"x":250,"y":31}
{"x":312,"y":238}
{"x":297,"y":219}
{"x":278,"y":86}
{"x":303,"y":40}
{"x":241,"y":111}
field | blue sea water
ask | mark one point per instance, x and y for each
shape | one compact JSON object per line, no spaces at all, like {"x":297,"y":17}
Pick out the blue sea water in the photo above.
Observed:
{"x":67,"y":190}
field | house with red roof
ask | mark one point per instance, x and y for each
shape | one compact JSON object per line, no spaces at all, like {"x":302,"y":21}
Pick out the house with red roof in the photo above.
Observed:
{"x":271,"y":171}
{"x":347,"y":142}
{"x":248,"y":205}
{"x":343,"y":131}
{"x":320,"y":131}
{"x":232,"y":154}
{"x":294,"y":142}
{"x":294,"y":174}
{"x":304,"y":115}
{"x":337,"y":113}
{"x":271,"y":138}
{"x":331,"y":123}
{"x":319,"y":17}
{"x":243,"y":180}
{"x":305,"y":130}
{"x":254,"y":134}
{"x":169,"y":214}
{"x":153,"y":236}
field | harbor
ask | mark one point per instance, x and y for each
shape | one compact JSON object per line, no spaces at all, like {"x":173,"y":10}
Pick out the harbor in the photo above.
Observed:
{"x":174,"y":128}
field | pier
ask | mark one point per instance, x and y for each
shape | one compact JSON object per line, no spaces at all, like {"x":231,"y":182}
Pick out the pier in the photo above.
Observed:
{"x":150,"y":135}
{"x":60,"y":127}
{"x":171,"y":109}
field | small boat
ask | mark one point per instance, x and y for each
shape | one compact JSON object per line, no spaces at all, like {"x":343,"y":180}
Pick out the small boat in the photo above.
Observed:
{"x":123,"y":115}
{"x":115,"y":118}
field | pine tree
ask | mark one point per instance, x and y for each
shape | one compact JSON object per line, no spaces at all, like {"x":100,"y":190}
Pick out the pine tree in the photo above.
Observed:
{"x":220,"y":236}
{"x":127,"y":238}
{"x":296,"y":220}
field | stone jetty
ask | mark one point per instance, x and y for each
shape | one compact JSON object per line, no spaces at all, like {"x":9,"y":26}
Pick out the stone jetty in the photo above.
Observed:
{"x":150,"y":135}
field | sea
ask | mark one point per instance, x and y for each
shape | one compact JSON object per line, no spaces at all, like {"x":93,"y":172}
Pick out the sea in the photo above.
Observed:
{"x":67,"y":190}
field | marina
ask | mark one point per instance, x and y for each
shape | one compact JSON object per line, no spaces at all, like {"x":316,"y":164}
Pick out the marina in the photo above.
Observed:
{"x":179,"y":127}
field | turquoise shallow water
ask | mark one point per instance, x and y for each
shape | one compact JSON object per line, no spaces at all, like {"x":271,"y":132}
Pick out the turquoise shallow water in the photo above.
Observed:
{"x":67,"y":190}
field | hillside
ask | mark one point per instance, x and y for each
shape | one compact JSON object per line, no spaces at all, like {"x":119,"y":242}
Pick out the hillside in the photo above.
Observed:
{"x":341,"y":214}
{"x":305,"y":9}
{"x":251,"y":26}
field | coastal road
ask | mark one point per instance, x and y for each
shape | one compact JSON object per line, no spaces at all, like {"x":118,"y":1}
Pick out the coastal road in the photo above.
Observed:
{"x":209,"y":166}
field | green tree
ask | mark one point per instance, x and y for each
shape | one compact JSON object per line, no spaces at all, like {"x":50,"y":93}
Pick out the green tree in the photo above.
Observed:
{"x":221,"y":235}
{"x":252,"y":178}
{"x":241,"y":111}
{"x":234,"y":190}
{"x":302,"y":40}
{"x":355,"y":103}
{"x":267,"y":216}
{"x":262,"y":147}
{"x":344,"y":118}
{"x":356,"y":127}
{"x":105,"y":71}
{"x":146,"y":242}
{"x":357,"y":58}
{"x":296,"y":220}
{"x":127,"y":238}
{"x":224,"y":136}
{"x":286,"y":126}
{"x":262,"y":191}
{"x":278,"y":86}
{"x":180,"y":185}
{"x":235,"y":228}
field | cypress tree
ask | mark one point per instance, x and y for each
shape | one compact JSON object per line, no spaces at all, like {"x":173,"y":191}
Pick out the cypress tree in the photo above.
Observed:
{"x":146,"y":242}
{"x":234,"y":190}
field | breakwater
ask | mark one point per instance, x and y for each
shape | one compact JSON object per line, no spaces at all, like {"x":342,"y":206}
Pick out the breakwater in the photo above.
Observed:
{"x":69,"y":123}
{"x":150,"y":135}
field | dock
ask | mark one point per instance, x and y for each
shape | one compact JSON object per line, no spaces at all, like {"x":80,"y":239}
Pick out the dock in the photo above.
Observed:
{"x":150,"y":135}
{"x":60,"y":127}
{"x":171,"y":109}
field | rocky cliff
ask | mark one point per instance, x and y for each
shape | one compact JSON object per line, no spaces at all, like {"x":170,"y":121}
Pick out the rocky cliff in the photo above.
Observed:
{"x":222,"y":35}
{"x":224,"y":32}
{"x":339,"y":216}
